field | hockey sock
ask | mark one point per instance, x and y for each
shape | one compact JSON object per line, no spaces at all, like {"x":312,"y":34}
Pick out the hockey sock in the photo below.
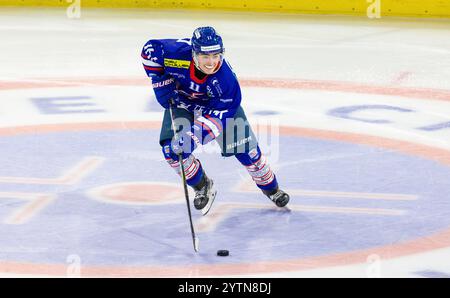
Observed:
{"x":192,"y":169}
{"x":192,"y":166}
{"x":259,"y":169}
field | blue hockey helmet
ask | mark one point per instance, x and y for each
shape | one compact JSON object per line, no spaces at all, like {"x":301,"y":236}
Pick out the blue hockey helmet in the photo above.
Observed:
{"x":206,"y":40}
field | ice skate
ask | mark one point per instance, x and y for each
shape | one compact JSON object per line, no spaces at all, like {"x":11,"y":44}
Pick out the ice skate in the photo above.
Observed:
{"x":204,"y":195}
{"x":279,"y":197}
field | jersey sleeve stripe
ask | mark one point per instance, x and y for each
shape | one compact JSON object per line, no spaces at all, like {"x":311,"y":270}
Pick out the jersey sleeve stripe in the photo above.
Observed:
{"x":151,"y":63}
{"x":153,"y":68}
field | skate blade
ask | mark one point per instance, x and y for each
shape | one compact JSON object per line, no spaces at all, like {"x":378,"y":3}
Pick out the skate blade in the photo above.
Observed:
{"x":206,"y":209}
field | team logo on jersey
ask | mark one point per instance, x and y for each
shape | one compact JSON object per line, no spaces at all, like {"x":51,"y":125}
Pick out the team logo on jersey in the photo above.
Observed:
{"x":215,"y":83}
{"x":176,"y":63}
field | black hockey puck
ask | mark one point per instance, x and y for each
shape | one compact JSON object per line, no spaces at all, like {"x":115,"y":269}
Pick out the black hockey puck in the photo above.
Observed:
{"x":223,"y":252}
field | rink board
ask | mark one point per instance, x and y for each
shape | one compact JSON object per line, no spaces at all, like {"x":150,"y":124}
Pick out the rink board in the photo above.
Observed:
{"x":412,"y":8}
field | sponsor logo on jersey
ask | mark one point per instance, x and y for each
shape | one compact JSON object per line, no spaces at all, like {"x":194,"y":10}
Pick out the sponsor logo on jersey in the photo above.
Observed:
{"x":176,"y":63}
{"x":217,"y":113}
{"x":198,"y":109}
{"x":178,"y":75}
{"x":209,"y":91}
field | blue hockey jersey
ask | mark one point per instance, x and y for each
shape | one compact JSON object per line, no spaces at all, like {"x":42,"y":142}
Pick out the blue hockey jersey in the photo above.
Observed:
{"x":218,"y":95}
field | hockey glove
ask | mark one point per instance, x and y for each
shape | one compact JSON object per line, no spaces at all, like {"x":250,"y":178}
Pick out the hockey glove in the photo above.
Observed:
{"x":165,"y":89}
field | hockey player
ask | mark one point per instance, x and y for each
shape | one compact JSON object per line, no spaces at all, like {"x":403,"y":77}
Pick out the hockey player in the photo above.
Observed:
{"x":194,"y":75}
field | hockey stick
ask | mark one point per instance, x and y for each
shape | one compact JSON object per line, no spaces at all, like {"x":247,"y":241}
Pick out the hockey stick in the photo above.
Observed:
{"x":195,"y":240}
